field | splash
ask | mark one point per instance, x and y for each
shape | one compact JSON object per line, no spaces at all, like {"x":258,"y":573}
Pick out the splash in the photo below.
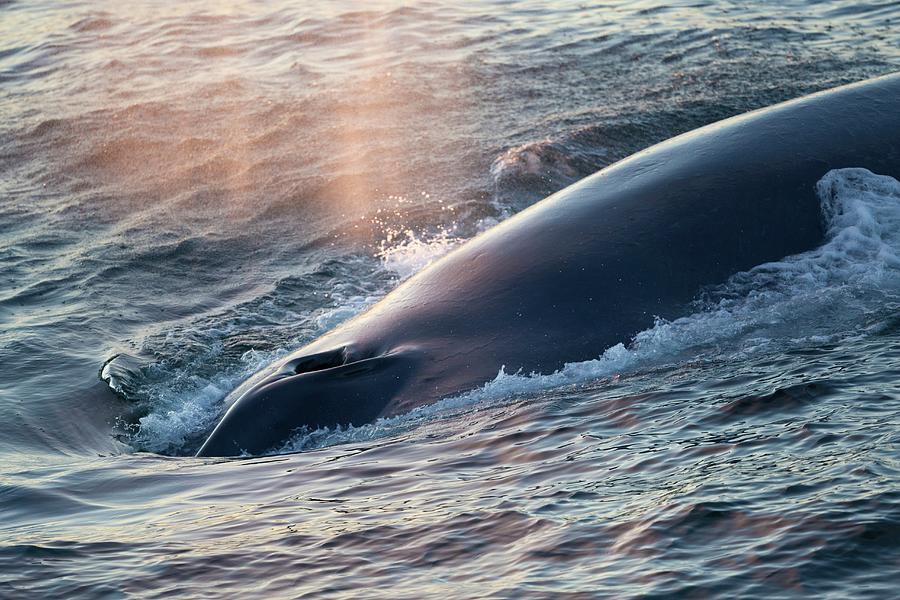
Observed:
{"x":413,"y":252}
{"x":404,"y":251}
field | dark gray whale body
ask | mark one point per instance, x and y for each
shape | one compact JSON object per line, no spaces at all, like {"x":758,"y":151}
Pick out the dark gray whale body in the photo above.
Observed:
{"x":581,"y":271}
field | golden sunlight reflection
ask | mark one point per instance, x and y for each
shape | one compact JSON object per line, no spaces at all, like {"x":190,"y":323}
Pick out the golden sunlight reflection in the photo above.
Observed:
{"x":286,"y":119}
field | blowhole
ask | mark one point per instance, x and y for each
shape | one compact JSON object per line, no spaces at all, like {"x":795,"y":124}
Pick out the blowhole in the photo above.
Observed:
{"x":320,"y":361}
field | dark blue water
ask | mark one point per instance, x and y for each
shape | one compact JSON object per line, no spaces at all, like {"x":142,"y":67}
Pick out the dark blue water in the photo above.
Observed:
{"x":190,"y":191}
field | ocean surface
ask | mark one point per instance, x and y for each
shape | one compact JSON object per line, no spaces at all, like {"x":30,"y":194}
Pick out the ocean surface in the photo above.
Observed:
{"x":189,"y":190}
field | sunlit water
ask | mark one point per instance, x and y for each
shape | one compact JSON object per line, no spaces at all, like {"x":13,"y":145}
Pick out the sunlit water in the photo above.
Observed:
{"x":190,"y":190}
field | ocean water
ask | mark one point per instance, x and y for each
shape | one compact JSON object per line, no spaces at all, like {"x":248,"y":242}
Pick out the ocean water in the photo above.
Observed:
{"x":190,"y":190}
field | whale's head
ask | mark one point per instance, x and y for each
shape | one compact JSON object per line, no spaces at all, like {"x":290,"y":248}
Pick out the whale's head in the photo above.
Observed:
{"x":305,"y":392}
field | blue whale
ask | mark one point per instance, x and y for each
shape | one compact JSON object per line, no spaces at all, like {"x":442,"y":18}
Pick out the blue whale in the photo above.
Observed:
{"x":581,"y":271}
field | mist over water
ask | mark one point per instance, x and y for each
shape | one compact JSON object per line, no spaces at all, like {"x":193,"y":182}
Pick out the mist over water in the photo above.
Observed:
{"x":189,"y":191}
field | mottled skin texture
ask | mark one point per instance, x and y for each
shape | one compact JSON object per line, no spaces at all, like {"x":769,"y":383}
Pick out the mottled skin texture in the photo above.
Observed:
{"x":581,"y":271}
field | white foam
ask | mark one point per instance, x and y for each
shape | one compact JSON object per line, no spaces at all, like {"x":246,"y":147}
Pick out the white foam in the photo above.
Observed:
{"x":185,"y":405}
{"x":188,"y":405}
{"x":411,"y":253}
